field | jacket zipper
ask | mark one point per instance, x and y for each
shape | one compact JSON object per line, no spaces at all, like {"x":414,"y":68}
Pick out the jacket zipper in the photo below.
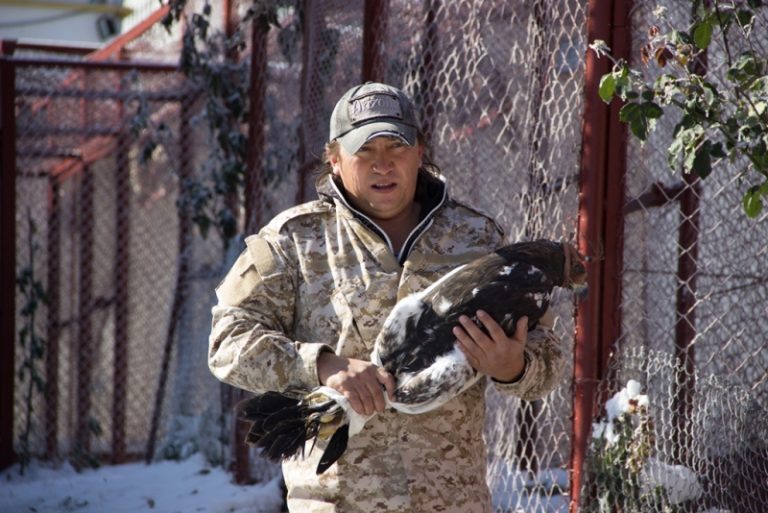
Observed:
{"x":412,"y":237}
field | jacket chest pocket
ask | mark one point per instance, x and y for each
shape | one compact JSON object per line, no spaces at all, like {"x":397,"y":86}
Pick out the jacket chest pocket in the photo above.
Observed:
{"x":361,"y":311}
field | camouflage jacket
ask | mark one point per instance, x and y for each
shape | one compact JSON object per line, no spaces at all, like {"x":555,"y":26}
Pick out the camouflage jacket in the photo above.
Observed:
{"x":321,"y":276}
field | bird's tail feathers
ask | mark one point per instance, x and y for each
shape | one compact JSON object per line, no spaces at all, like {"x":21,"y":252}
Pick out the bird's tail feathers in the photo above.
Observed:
{"x":335,"y":449}
{"x":281,"y":424}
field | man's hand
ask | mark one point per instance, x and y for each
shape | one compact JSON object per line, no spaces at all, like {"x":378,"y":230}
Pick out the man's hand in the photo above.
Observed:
{"x":361,"y":382}
{"x":497,"y":355}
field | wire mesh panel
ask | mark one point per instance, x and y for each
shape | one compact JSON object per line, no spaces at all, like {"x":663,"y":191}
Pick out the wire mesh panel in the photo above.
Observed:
{"x":99,"y":203}
{"x":695,"y":276}
{"x":693,"y":307}
{"x":637,"y":461}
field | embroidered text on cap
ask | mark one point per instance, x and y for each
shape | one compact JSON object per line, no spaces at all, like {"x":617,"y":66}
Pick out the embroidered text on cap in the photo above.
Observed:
{"x":374,"y":105}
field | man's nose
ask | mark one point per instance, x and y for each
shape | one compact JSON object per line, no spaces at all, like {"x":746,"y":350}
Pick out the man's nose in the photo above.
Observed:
{"x":382,"y":165}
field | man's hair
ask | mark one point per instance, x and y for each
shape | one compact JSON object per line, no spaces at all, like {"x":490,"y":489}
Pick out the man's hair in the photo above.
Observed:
{"x":332,"y":148}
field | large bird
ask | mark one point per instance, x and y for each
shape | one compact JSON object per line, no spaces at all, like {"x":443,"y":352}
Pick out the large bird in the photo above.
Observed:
{"x":417,"y":346}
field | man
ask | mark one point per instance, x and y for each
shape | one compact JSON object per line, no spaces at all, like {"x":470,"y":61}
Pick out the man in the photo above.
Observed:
{"x":302,"y":306}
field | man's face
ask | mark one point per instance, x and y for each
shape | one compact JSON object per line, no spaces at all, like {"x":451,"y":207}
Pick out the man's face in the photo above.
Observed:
{"x":380,"y":178}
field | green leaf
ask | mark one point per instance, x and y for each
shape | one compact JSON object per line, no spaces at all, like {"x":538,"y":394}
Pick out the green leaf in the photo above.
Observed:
{"x":753,"y":204}
{"x":717,"y":151}
{"x":607,"y":87}
{"x":745,"y":18}
{"x":702,"y":34}
{"x":639,"y":127}
{"x":702,"y":160}
{"x":628,"y":112}
{"x":652,"y":110}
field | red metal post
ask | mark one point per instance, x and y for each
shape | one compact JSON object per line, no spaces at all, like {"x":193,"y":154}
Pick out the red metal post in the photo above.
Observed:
{"x":53,"y":328}
{"x":311,"y":94}
{"x":256,"y":122}
{"x":685,"y":322}
{"x":121,"y":279}
{"x":600,"y":226}
{"x":84,"y":352}
{"x":8,"y":253}
{"x":374,"y":33}
{"x":430,"y":61}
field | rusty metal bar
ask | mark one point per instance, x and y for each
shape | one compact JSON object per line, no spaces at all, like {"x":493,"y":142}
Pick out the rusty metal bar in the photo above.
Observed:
{"x":613,"y":228}
{"x":428,"y":83}
{"x":84,"y":343}
{"x":600,"y":225}
{"x":256,"y":123}
{"x":121,"y":278}
{"x":97,"y":65}
{"x":8,"y":254}
{"x":374,"y":33}
{"x":53,"y":328}
{"x":119,"y":43}
{"x":56,"y":48}
{"x":685,"y":318}
{"x":310,"y":124}
{"x":656,"y":195}
{"x":107,"y":94}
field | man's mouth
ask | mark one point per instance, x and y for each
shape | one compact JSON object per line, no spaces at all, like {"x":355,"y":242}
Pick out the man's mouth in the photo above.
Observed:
{"x":384,"y":186}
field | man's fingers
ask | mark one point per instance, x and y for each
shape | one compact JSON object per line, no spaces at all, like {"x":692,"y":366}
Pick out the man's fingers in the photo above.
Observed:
{"x":476,"y":335}
{"x":494,"y":328}
{"x":521,"y":329}
{"x":388,"y":380}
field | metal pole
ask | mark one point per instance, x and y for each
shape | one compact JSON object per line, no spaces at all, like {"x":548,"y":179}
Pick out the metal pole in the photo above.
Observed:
{"x":256,"y":122}
{"x":429,"y":79}
{"x":53,"y":328}
{"x":84,"y":344}
{"x":374,"y":33}
{"x":8,"y":254}
{"x":600,"y":226}
{"x":685,"y":319}
{"x":121,"y":279}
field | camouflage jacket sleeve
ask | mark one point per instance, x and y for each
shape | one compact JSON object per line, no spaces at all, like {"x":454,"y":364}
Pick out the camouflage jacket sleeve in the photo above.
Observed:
{"x":545,"y":363}
{"x":250,"y":346}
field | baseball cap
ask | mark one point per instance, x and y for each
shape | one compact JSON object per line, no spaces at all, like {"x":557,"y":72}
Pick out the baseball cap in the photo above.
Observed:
{"x":371,"y":110}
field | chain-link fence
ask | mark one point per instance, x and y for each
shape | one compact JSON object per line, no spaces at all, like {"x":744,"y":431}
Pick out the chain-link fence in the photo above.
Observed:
{"x":101,"y":151}
{"x":100,"y":154}
{"x":642,"y":461}
{"x":693,"y":323}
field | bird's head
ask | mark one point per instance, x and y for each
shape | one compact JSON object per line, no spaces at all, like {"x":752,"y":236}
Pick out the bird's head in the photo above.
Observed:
{"x":575,"y":273}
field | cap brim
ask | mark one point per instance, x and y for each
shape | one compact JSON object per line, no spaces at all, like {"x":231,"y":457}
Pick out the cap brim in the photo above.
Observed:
{"x":352,"y":141}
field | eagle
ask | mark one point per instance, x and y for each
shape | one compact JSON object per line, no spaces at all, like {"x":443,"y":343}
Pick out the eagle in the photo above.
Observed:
{"x":417,"y":346}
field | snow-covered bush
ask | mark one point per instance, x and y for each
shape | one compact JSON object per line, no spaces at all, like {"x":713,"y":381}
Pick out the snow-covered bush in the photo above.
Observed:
{"x":625,"y":476}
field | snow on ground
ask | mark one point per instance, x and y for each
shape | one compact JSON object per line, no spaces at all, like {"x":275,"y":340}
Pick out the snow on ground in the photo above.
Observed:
{"x":189,"y":486}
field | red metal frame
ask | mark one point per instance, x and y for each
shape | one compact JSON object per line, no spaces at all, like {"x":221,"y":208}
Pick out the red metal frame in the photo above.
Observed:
{"x":256,"y":136}
{"x":84,"y":342}
{"x":601,"y":198}
{"x":53,"y":328}
{"x":8,"y":253}
{"x":431,"y":60}
{"x":121,"y":279}
{"x":374,"y":33}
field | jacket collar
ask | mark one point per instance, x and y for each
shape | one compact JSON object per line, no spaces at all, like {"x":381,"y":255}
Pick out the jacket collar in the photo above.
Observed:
{"x":431,"y":193}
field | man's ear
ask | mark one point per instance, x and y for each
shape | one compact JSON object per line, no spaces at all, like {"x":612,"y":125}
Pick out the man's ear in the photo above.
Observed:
{"x":335,"y":162}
